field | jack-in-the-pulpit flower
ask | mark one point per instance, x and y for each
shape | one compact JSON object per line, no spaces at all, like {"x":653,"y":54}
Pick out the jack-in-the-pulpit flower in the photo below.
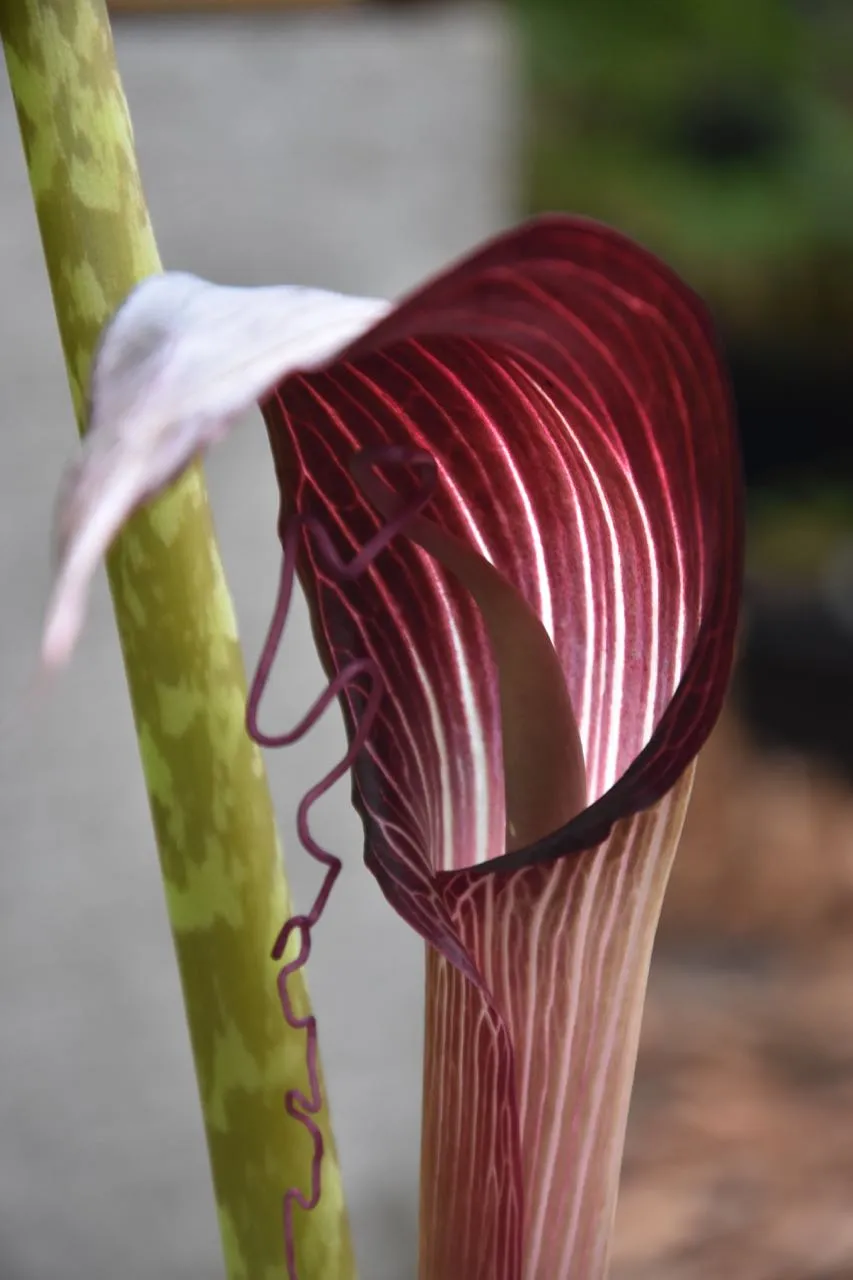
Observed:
{"x":552,"y":624}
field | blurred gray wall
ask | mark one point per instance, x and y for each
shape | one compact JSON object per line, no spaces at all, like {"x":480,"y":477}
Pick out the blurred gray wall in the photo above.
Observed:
{"x":357,"y":151}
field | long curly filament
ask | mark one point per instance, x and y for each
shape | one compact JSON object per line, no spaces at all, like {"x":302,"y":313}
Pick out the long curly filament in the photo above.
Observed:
{"x":299,"y":1106}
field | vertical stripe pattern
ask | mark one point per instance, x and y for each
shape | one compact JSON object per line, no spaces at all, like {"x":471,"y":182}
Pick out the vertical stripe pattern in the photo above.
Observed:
{"x":563,"y":949}
{"x":568,"y":386}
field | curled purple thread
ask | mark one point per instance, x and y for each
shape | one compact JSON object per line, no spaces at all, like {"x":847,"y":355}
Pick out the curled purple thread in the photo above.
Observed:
{"x":297,"y":1105}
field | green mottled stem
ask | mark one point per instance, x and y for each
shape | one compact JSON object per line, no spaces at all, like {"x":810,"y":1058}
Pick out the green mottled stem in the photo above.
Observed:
{"x":213,"y":819}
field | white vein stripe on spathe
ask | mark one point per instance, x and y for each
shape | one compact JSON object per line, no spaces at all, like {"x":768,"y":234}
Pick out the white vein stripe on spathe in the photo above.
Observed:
{"x":337,"y":519}
{"x":446,"y":476}
{"x":449,"y":838}
{"x":601,"y":774}
{"x":483,"y":805}
{"x":584,"y":560}
{"x":599,"y":619}
{"x":599,"y":1046}
{"x":579,"y":921}
{"x":652,"y":584}
{"x":665,"y":692}
{"x":529,"y":287}
{"x":453,"y":850}
{"x":546,"y":609}
{"x":454,"y":847}
{"x":575,"y":1025}
{"x":655,"y":857}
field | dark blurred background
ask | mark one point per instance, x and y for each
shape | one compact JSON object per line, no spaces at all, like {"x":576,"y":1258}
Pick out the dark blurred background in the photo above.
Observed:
{"x":359,"y":147}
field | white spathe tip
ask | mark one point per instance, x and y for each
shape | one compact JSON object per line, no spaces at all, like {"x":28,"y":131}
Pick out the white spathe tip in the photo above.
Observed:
{"x":181,"y":360}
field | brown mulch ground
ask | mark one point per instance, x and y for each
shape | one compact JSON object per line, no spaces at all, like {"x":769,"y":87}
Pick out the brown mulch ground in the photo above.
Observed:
{"x":739,"y":1159}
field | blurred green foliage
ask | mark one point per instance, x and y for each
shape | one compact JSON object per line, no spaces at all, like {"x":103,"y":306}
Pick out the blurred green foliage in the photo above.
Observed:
{"x":793,"y":533}
{"x":719,"y":132}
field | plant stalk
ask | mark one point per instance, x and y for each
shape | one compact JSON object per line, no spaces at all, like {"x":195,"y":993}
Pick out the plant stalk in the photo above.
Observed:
{"x":213,"y":819}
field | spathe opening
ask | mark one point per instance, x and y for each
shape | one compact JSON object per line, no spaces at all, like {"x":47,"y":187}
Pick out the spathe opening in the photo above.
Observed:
{"x":544,"y":770}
